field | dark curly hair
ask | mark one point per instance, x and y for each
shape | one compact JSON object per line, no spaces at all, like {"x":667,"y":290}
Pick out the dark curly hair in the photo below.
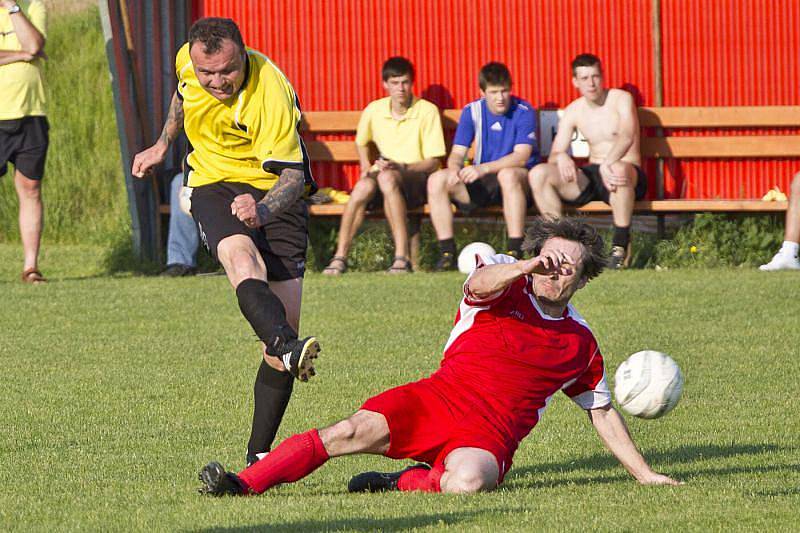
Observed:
{"x":572,"y":229}
{"x":211,"y":31}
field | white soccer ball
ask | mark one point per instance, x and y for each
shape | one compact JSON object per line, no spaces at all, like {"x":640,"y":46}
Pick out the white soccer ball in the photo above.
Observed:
{"x":466,"y":259}
{"x":648,"y":384}
{"x":185,"y":200}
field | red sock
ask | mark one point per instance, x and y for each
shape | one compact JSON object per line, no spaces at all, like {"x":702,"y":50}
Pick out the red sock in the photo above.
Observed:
{"x":421,"y":479}
{"x":295,"y":458}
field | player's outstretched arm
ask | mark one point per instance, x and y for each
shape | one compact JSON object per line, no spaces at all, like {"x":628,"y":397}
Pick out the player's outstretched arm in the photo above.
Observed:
{"x":489,"y":280}
{"x":145,"y":160}
{"x":611,"y":428}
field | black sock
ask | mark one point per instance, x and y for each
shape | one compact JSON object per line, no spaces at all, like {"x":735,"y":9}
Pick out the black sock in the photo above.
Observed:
{"x":622,"y":236}
{"x":271,"y":394}
{"x":266,"y":314}
{"x":515,"y":244}
{"x":448,"y":246}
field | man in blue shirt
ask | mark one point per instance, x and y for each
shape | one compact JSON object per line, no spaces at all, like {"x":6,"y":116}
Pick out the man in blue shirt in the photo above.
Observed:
{"x":503,"y":130}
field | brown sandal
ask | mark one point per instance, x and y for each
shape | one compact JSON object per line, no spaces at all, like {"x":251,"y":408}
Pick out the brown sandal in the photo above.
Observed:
{"x":405,"y":267}
{"x":33,"y":276}
{"x":334,"y":269}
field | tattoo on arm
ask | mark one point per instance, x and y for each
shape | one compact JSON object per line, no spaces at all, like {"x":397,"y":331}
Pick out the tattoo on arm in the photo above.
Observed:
{"x":284,"y":193}
{"x":174,"y":122}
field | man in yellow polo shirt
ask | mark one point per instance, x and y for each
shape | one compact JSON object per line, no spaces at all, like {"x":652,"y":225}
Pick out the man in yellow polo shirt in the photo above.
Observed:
{"x":408,"y":134}
{"x":249,"y":171}
{"x":23,"y":124}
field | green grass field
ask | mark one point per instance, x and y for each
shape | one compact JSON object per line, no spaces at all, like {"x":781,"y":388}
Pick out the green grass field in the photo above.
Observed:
{"x":117,"y":389}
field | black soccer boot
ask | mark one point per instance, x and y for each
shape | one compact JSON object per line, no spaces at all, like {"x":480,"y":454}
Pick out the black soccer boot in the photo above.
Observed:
{"x":297,"y":355}
{"x":217,"y":482}
{"x":447,"y":261}
{"x":379,"y":481}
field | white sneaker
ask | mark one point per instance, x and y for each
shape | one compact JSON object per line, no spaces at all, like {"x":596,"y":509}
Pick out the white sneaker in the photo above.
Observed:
{"x":781,"y":262}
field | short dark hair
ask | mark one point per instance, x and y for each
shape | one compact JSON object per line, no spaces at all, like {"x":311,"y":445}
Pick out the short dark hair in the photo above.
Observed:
{"x":586,"y":60}
{"x":572,"y":229}
{"x":397,"y":66}
{"x":212,"y":30}
{"x":494,"y":73}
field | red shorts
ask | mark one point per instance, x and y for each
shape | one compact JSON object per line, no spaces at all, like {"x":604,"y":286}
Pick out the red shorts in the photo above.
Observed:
{"x":426,"y":424}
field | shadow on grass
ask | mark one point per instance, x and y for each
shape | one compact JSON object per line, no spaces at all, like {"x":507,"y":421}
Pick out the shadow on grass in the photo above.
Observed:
{"x":366,"y":524}
{"x":680,"y":455}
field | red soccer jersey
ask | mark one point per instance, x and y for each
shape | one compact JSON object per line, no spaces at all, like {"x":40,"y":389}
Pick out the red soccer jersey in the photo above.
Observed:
{"x":505,"y":359}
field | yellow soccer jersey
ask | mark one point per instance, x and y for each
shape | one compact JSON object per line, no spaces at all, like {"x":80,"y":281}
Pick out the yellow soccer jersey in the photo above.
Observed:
{"x":21,"y":84}
{"x":416,"y":136}
{"x":248,"y":138}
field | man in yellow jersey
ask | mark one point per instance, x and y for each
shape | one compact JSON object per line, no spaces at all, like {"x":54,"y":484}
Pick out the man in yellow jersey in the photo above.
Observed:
{"x":23,"y":124}
{"x":249,"y":171}
{"x":408,"y":134}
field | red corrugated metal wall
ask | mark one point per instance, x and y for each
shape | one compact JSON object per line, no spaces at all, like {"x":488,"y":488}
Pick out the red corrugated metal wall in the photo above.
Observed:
{"x":332,"y":51}
{"x":731,"y":52}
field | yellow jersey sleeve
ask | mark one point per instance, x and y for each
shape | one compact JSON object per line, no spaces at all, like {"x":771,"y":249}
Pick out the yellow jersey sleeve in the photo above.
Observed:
{"x":431,"y":134}
{"x":276,"y":141}
{"x":364,"y":130}
{"x":182,"y":62}
{"x":37,"y":14}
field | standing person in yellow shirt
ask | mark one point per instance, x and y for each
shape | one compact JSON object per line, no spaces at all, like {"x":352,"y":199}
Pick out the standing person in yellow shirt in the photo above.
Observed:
{"x":408,"y":134}
{"x":249,"y":171}
{"x":23,"y":124}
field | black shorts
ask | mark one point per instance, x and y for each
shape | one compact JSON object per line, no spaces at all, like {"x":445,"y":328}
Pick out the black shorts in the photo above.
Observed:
{"x":24,"y":143}
{"x":597,"y":191}
{"x":414,"y":187}
{"x":484,"y":192}
{"x":282,"y":241}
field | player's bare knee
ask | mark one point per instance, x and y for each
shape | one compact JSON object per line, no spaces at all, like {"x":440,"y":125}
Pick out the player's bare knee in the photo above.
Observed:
{"x":468,"y":480}
{"x":437,"y":183}
{"x":510,"y":178}
{"x":363,"y":191}
{"x":539,"y":176}
{"x":388,"y":180}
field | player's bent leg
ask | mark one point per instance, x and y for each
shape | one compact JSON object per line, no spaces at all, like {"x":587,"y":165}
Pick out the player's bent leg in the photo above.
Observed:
{"x":353,"y":216}
{"x":622,"y":201}
{"x":31,"y":216}
{"x":439,"y":202}
{"x":299,"y":455}
{"x":273,"y":385}
{"x":787,"y":257}
{"x":363,"y":432}
{"x":469,"y":470}
{"x":514,"y":188}
{"x":545,"y":181}
{"x":394,"y":206}
{"x":792,"y":230}
{"x":241,"y":259}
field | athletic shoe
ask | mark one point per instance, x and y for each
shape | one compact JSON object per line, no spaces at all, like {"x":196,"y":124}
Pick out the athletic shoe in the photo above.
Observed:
{"x":616,"y":260}
{"x":218,"y":482}
{"x":253,"y":458}
{"x":516,"y":254}
{"x":781,"y":262}
{"x":447,"y":261}
{"x":178,"y":270}
{"x":298,"y":357}
{"x":379,"y":481}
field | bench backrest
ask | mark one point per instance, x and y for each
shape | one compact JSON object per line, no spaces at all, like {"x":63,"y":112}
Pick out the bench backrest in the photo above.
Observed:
{"x":655,"y":122}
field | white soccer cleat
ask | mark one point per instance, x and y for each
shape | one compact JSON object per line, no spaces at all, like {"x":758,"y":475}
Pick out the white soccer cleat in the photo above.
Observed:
{"x":781,"y":262}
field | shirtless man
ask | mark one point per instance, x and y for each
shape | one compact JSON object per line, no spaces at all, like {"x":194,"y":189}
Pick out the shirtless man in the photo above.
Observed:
{"x":609,"y":121}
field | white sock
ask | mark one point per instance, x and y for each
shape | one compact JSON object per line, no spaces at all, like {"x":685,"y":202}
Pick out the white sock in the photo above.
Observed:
{"x":789,"y":248}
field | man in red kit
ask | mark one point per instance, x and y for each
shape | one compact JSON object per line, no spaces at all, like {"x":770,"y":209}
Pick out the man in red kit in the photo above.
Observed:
{"x":516,"y":342}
